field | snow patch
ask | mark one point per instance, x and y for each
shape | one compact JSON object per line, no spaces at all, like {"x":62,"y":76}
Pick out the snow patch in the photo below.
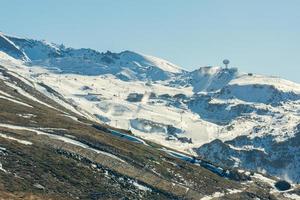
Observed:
{"x":15,"y":101}
{"x":15,"y":139}
{"x":221,"y":194}
{"x":140,"y":187}
{"x":2,"y":169}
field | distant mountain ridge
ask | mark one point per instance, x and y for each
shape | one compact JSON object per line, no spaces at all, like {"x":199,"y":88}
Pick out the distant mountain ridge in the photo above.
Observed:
{"x":126,"y":65}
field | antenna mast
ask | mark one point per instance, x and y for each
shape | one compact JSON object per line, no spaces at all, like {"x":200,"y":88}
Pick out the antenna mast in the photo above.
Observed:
{"x":226,"y":62}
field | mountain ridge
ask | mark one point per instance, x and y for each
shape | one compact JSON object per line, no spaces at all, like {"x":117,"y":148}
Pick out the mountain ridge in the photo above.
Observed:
{"x":126,"y":65}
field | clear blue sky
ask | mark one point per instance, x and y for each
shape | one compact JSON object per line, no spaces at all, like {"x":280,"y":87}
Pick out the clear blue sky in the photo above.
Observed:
{"x":261,"y":36}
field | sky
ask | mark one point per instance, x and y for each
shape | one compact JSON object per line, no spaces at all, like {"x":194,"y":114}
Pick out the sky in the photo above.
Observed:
{"x":256,"y":36}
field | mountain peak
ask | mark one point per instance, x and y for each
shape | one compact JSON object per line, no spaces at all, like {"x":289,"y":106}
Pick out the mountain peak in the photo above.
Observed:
{"x":152,"y":61}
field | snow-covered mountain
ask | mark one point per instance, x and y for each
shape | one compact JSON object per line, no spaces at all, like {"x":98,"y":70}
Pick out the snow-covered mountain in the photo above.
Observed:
{"x":126,"y":65}
{"x":235,"y":119}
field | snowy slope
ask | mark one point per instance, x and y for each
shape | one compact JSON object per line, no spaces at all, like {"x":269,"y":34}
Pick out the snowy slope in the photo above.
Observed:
{"x":206,"y":79}
{"x":36,"y":132}
{"x":224,"y":115}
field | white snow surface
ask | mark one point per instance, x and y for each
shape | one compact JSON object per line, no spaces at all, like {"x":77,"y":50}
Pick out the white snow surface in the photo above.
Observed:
{"x":140,"y":187}
{"x":2,"y":169}
{"x":220,"y":194}
{"x":163,"y":64}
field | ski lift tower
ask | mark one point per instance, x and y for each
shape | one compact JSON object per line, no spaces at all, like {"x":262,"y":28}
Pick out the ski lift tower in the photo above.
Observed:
{"x":226,"y":63}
